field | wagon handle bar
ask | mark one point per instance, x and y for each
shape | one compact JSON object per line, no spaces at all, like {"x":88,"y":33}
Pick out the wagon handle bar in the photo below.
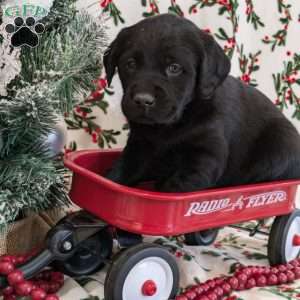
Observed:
{"x":33,"y":266}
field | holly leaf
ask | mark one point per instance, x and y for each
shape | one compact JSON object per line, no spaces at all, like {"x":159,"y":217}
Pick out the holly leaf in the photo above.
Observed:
{"x":289,"y":67}
{"x":256,"y":255}
{"x":222,"y":10}
{"x":233,"y":267}
{"x":109,"y":92}
{"x":223,"y":34}
{"x":101,"y":142}
{"x":191,"y":8}
{"x":103,"y":105}
{"x":148,"y":14}
{"x":211,"y":253}
{"x":71,"y":124}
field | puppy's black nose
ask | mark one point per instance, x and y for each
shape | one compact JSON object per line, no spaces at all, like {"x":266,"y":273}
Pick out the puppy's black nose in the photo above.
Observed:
{"x":143,"y":99}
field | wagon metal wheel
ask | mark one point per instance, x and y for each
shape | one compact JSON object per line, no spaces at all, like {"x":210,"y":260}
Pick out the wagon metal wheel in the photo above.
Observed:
{"x":89,"y":256}
{"x":145,"y":271}
{"x":284,"y":240}
{"x":201,"y":238}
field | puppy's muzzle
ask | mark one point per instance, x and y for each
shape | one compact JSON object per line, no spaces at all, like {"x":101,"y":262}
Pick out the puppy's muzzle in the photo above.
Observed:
{"x":144,"y":100}
{"x":145,"y":95}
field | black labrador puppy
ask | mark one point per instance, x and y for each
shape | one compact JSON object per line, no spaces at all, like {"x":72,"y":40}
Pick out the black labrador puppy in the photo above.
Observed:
{"x":192,"y":126}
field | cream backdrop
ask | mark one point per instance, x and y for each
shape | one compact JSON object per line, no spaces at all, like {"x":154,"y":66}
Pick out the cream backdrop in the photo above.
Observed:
{"x":270,"y":62}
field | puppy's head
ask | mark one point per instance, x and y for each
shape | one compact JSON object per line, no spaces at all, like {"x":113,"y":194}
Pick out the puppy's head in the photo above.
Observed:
{"x":164,"y":63}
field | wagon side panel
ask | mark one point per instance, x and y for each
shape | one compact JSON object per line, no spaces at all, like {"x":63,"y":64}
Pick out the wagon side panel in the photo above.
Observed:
{"x":193,"y":212}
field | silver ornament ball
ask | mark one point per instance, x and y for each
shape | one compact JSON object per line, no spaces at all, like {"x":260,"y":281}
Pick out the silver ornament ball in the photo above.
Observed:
{"x":56,"y":140}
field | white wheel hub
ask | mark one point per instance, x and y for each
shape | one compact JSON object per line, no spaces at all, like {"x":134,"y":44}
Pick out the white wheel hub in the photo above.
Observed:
{"x":292,"y":250}
{"x":153,"y":272}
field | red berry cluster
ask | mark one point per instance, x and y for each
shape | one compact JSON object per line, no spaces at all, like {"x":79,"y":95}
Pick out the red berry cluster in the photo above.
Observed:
{"x":279,"y":38}
{"x":252,"y":15}
{"x":98,"y":93}
{"x":230,"y":45}
{"x":244,"y":278}
{"x":101,"y":84}
{"x":80,"y":111}
{"x":104,"y":3}
{"x":249,"y":9}
{"x":225,"y":3}
{"x":194,"y":10}
{"x":207,"y":30}
{"x":290,"y":79}
{"x":42,"y":287}
{"x":154,"y":7}
{"x":246,"y":78}
{"x":96,"y":134}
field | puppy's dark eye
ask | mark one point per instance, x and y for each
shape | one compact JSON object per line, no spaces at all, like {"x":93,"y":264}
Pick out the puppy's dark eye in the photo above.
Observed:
{"x":174,"y":69}
{"x":131,"y":64}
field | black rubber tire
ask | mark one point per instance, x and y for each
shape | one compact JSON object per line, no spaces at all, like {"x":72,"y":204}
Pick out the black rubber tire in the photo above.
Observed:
{"x":201,"y":238}
{"x":278,"y":238}
{"x":122,"y":265}
{"x":90,"y":255}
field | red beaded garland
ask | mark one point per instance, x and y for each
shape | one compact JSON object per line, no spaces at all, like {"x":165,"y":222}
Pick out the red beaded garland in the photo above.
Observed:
{"x":38,"y":294}
{"x":234,"y":283}
{"x":297,"y":272}
{"x":251,"y":283}
{"x":290,"y":276}
{"x":243,"y":278}
{"x":272,"y":279}
{"x":9,"y":290}
{"x":45,"y":282}
{"x":23,"y":288}
{"x":51,"y":297}
{"x":213,"y":289}
{"x":10,"y":297}
{"x":15,"y":277}
{"x":6,"y":267}
{"x":226,"y":288}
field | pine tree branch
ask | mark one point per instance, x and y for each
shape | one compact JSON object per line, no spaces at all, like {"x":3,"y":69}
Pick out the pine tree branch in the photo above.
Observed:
{"x":26,"y":118}
{"x":54,"y":76}
{"x":60,"y":15}
{"x":71,"y":59}
{"x":28,"y":182}
{"x":29,"y":177}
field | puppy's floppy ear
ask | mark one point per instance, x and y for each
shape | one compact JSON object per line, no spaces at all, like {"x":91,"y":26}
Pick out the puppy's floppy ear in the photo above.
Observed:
{"x":111,"y":55}
{"x":109,"y":61}
{"x":214,"y":68}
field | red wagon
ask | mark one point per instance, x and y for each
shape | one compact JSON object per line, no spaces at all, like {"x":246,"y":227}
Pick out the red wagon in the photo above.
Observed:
{"x":82,"y":242}
{"x":148,"y":212}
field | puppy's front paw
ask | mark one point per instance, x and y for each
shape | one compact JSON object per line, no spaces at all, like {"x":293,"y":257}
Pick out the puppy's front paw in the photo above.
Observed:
{"x":113,"y":175}
{"x":117,"y":175}
{"x":179,"y":183}
{"x":171,"y":185}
